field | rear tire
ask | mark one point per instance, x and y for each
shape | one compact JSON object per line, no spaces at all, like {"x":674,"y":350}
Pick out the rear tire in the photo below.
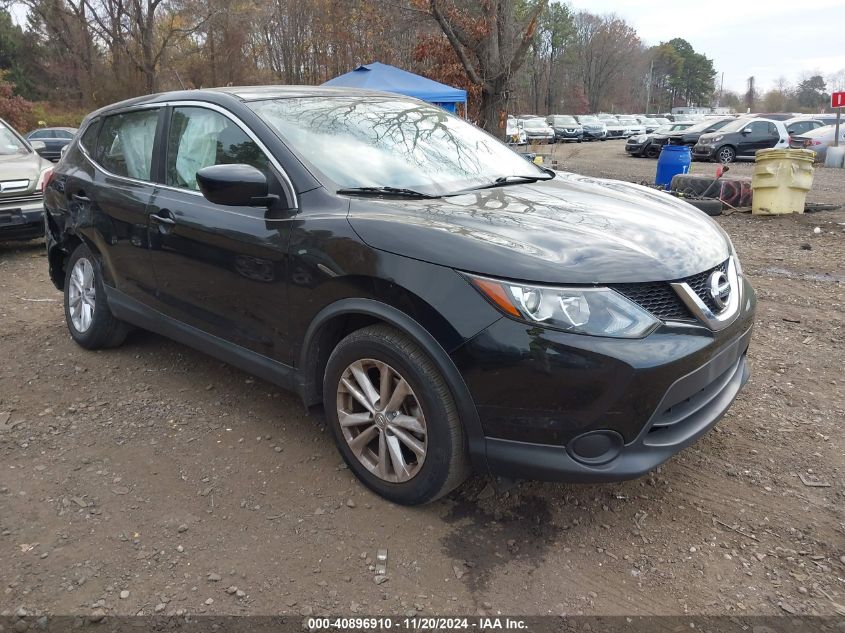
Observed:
{"x":87,"y":314}
{"x":413,"y":449}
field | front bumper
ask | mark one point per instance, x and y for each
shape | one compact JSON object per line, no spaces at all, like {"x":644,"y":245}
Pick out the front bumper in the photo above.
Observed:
{"x":635,"y":149}
{"x":704,"y":152}
{"x":21,"y":221}
{"x":567,"y":135}
{"x":565,"y":407}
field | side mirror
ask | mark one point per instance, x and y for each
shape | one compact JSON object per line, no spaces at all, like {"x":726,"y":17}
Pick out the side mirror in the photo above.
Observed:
{"x":234,"y":185}
{"x":746,"y":131}
{"x":37,"y":145}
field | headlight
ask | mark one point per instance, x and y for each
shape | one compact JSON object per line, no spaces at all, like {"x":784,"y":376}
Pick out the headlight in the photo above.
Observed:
{"x":588,"y":310}
{"x":640,"y":138}
{"x":716,"y":139}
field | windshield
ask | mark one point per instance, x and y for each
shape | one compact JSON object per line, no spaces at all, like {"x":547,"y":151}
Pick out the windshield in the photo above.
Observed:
{"x":564,"y":120}
{"x":10,"y":143}
{"x":588,"y":119}
{"x":535,"y":123}
{"x":704,"y":125}
{"x":384,"y":142}
{"x":736,"y":125}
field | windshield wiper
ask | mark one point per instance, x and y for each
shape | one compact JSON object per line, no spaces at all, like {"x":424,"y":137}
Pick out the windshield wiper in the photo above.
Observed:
{"x":502,"y":181}
{"x":392,"y":191}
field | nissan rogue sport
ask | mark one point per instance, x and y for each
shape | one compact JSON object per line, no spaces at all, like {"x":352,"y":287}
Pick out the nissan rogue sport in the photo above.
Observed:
{"x":449,"y":304}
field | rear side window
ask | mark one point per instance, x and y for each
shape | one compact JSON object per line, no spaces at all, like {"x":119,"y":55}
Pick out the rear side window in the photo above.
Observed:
{"x":125,"y":143}
{"x":199,"y":138}
{"x":62,"y":134}
{"x":89,"y":139}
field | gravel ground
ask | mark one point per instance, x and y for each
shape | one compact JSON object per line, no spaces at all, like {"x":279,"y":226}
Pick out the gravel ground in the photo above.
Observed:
{"x":154,"y":479}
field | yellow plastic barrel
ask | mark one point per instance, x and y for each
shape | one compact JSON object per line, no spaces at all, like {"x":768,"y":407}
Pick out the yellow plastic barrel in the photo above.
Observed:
{"x":781,"y":180}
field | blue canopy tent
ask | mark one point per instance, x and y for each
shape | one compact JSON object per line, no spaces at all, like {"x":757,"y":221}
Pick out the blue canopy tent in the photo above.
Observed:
{"x":378,"y":76}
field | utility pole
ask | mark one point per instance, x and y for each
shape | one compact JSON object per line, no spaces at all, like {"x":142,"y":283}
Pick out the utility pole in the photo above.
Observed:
{"x":721,"y":90}
{"x":648,"y":88}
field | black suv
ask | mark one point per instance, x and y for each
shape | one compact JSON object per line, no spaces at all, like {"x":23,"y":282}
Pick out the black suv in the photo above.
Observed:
{"x":566,"y":127}
{"x":449,"y":303}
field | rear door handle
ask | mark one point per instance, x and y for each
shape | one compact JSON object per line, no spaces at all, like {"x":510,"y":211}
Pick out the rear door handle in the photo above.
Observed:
{"x":163,"y":219}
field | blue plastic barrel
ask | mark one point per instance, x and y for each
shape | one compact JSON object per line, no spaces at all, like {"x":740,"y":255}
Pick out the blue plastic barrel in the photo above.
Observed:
{"x":674,"y":160}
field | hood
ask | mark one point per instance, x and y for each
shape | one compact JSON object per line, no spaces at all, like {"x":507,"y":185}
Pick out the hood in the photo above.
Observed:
{"x":22,"y":167}
{"x":571,"y":229}
{"x":703,"y":138}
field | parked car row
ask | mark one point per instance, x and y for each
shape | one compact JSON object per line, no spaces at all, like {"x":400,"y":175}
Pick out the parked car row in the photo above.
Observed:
{"x":583,"y":127}
{"x":724,"y":139}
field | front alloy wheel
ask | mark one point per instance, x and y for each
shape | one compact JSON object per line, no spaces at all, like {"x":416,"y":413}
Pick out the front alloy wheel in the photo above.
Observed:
{"x":726,"y":154}
{"x":393,"y":416}
{"x":382,"y":420}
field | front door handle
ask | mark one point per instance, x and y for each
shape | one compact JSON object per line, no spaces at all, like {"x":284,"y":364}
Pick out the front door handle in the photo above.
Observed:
{"x":163,"y":219}
{"x":78,"y":197}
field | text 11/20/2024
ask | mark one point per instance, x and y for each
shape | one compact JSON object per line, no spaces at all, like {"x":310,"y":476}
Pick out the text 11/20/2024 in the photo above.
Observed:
{"x":422,"y":623}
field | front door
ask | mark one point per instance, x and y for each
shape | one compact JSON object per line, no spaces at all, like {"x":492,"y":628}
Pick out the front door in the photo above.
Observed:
{"x":763,"y":135}
{"x":220,"y":269}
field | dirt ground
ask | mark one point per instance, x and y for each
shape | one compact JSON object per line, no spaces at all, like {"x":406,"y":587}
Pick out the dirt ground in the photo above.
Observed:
{"x":152,"y":478}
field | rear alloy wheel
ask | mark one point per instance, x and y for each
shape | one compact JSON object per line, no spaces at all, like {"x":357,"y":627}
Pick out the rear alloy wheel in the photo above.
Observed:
{"x":87,"y":314}
{"x":393,"y":417}
{"x":726,"y":154}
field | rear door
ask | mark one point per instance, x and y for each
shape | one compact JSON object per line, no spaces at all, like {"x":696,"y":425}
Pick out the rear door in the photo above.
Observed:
{"x":107,"y":195}
{"x":220,"y":269}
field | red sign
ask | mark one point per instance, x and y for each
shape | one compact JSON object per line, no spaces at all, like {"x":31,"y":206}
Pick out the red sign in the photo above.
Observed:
{"x":837,"y":100}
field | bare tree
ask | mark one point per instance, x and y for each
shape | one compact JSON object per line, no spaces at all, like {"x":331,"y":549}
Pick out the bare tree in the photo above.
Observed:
{"x":491,"y":40}
{"x":604,"y":47}
{"x":143,"y":30}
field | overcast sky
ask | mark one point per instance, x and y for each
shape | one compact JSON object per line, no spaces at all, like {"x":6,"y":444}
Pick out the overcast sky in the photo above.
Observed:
{"x":767,"y":39}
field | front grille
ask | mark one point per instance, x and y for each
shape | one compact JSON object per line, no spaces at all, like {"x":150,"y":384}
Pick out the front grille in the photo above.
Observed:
{"x":21,"y":199}
{"x":658,"y":298}
{"x":675,"y":422}
{"x":698,"y":283}
{"x":662,"y":301}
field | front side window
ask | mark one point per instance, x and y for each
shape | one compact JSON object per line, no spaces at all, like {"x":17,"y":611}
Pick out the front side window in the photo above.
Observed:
{"x":41,"y":134}
{"x":759,"y":128}
{"x":125,"y":143}
{"x":200,"y":137}
{"x":394,"y":142}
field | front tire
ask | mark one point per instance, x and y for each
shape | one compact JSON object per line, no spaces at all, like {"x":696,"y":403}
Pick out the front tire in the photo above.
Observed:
{"x":393,"y":417}
{"x":87,"y":314}
{"x":726,"y":154}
